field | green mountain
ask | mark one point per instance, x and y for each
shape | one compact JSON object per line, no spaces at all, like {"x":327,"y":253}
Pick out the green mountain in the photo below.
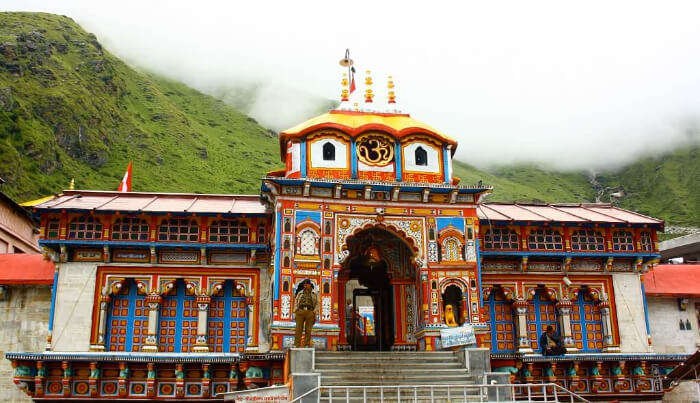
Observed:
{"x":70,"y":109}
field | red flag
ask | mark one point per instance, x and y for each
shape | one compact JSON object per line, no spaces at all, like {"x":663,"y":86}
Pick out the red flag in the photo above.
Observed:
{"x":352,"y":80}
{"x":125,"y":184}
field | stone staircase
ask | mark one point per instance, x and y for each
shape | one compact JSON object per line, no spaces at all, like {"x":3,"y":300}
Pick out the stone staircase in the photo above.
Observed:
{"x":372,"y":369}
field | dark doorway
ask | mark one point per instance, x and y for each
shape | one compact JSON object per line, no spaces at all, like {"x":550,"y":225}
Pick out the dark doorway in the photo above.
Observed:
{"x":372,"y":320}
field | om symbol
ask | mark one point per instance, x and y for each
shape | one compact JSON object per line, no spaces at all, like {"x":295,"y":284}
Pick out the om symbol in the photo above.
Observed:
{"x":375,"y":150}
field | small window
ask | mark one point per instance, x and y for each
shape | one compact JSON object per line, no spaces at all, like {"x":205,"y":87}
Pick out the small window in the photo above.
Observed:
{"x":130,"y":229}
{"x":421,"y":157}
{"x":178,"y":230}
{"x":85,"y":227}
{"x":52,"y":229}
{"x":285,"y":286}
{"x":327,"y":245}
{"x":645,"y":242}
{"x":286,"y":261}
{"x":328,"y":228}
{"x":287,"y":225}
{"x":261,"y":233}
{"x":326,"y":288}
{"x":326,"y":264}
{"x":286,"y":244}
{"x":328,"y":152}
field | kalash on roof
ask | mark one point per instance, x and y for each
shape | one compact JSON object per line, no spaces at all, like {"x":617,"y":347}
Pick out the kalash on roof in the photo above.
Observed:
{"x":358,"y":113}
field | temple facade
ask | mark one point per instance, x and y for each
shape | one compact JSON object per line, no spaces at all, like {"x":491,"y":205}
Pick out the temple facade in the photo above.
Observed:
{"x":189,"y":295}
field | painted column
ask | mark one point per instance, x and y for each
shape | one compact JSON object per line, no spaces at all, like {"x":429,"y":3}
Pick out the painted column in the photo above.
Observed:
{"x":302,"y":153}
{"x":604,"y":306}
{"x":102,"y":324}
{"x":399,"y":163}
{"x":520,"y":307}
{"x":153,"y":301}
{"x":201,"y":346}
{"x":564,"y":309}
{"x":353,"y":160}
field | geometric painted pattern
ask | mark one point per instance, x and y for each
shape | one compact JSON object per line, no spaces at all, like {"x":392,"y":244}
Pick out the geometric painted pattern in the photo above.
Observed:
{"x":228,"y":322}
{"x":178,"y":321}
{"x":500,"y":316}
{"x":541,"y":313}
{"x":587,"y":324}
{"x":127,"y":321}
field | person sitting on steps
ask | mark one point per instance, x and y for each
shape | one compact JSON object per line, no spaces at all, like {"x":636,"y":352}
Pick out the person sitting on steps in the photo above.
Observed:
{"x":305,"y":306}
{"x":551,"y":343}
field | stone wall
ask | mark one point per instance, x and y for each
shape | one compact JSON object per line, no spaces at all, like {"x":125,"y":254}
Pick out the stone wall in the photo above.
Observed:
{"x":24,"y":316}
{"x":630,"y":313}
{"x":664,"y":317}
{"x":75,"y":295}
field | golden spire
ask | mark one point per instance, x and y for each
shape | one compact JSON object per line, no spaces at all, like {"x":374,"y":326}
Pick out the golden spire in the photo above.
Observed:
{"x":71,"y":185}
{"x":368,"y":92}
{"x":390,"y":86}
{"x":344,"y":93}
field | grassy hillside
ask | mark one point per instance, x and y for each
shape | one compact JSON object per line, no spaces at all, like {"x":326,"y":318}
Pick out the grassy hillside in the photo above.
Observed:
{"x":69,"y":109}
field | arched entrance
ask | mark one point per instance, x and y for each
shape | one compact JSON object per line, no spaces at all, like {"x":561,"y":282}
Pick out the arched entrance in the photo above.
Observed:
{"x":374,"y":282}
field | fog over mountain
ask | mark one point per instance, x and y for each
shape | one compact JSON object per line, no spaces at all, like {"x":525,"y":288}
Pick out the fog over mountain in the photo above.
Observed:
{"x":590,"y":85}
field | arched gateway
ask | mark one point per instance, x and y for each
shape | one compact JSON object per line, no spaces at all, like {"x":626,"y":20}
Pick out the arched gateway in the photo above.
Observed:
{"x":368,"y":210}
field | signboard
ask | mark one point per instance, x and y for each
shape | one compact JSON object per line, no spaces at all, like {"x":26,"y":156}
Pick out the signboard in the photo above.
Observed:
{"x":457,"y":336}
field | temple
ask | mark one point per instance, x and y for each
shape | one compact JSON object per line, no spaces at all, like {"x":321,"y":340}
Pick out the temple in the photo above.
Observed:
{"x":186,"y":296}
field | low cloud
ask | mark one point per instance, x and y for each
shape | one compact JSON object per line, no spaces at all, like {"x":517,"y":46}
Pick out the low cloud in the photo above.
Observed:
{"x":589,"y":85}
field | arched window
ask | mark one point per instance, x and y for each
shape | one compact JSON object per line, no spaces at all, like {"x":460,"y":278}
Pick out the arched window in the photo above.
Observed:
{"x":327,"y":245}
{"x":178,"y":230}
{"x":85,"y":227}
{"x":286,"y":243}
{"x":587,"y":323}
{"x":541,"y":312}
{"x":326,"y":264}
{"x":328,"y":152}
{"x":453,"y":297}
{"x":645,"y":242}
{"x":286,"y":261}
{"x":307,"y":243}
{"x":421,"y":156}
{"x":587,"y":240}
{"x":127,"y":320}
{"x":52,"y":228}
{"x":228,"y":321}
{"x":623,"y":241}
{"x":285,"y":286}
{"x":130,"y":229}
{"x":178,"y":321}
{"x":500,"y":316}
{"x":228,"y":231}
{"x":545,"y":239}
{"x":326,"y":287}
{"x":327,"y":227}
{"x":287,"y":225}
{"x":500,"y":238}
{"x":451,"y":250}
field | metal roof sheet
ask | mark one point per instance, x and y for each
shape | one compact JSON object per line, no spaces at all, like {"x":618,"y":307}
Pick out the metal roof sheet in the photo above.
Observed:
{"x":580,"y":213}
{"x":156,"y":202}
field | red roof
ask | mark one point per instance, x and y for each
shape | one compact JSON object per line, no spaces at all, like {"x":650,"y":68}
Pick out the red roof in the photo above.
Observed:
{"x":563,"y":212}
{"x":22,"y":268}
{"x":673,"y":280}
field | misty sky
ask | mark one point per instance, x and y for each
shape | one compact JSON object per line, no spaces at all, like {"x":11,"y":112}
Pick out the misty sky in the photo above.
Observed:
{"x":591,"y":84}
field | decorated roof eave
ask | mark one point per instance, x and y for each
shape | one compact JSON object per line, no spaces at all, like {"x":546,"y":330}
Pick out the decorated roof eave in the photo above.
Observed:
{"x":360,"y":184}
{"x":304,"y":129}
{"x":142,"y":357}
{"x":585,"y":224}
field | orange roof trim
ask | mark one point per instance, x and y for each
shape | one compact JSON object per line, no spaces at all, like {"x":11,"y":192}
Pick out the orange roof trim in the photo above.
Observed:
{"x":355,"y":123}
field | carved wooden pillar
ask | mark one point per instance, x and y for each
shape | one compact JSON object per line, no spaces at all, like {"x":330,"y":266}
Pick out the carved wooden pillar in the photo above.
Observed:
{"x":206,"y":381}
{"x":201,"y":346}
{"x":179,"y":381}
{"x":66,"y":380}
{"x":102,"y":324}
{"x":564,"y":307}
{"x":151,"y":380}
{"x":39,"y":379}
{"x":153,"y":301}
{"x":94,"y":379}
{"x":520,"y":307}
{"x":123,"y":382}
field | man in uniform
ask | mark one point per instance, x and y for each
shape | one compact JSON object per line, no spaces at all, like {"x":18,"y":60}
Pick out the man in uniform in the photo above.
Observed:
{"x":305,"y":306}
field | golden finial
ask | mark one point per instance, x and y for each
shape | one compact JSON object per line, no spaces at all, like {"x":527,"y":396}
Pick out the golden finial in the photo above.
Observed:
{"x":368,"y":92}
{"x":390,"y":86}
{"x":71,"y":185}
{"x":344,"y":93}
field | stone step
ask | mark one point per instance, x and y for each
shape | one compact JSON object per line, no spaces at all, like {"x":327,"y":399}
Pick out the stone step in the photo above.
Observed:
{"x":396,"y":380}
{"x":349,"y":371}
{"x":407,"y":395}
{"x":380,"y":354}
{"x":326,"y":359}
{"x":383,"y":365}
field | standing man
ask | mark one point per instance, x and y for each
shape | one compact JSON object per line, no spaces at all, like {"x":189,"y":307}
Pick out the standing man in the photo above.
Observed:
{"x":305,"y":306}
